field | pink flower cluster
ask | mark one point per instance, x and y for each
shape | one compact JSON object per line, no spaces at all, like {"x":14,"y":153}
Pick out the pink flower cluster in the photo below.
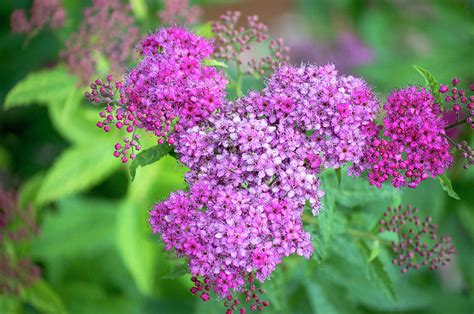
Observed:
{"x":337,"y":112}
{"x":413,"y":147}
{"x":227,"y":234}
{"x":108,"y":30}
{"x":42,"y":13}
{"x":179,"y":11}
{"x":252,"y":168}
{"x":232,"y":41}
{"x":170,"y":89}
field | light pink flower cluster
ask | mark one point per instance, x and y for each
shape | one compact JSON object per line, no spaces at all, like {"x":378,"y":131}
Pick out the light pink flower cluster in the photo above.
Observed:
{"x":337,"y":112}
{"x":179,"y":11}
{"x":42,"y":13}
{"x":232,"y":41}
{"x":107,"y":31}
{"x":413,"y":147}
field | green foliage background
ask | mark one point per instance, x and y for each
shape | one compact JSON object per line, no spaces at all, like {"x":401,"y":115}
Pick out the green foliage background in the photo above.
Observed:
{"x":96,"y":249}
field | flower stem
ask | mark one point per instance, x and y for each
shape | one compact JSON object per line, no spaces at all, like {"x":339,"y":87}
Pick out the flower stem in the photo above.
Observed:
{"x":238,"y":81}
{"x":366,"y":235}
{"x":455,"y":124}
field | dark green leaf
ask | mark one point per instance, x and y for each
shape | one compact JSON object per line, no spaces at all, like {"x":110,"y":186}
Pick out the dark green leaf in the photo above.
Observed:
{"x":148,"y":156}
{"x":338,"y":176}
{"x":80,"y":225}
{"x":179,"y":271}
{"x":432,"y":83}
{"x":447,"y":186}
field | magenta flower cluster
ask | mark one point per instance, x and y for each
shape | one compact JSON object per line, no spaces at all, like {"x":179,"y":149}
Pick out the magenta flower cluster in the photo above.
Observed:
{"x":254,"y":162}
{"x":252,"y":168}
{"x":413,"y":146}
{"x":170,"y":89}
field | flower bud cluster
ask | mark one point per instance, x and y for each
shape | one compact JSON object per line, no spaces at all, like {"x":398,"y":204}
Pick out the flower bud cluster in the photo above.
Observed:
{"x":418,"y":242}
{"x":42,"y":13}
{"x":107,"y":31}
{"x":179,"y":11}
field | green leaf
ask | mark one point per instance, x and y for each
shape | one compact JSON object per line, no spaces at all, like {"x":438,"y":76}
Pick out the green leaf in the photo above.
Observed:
{"x":77,"y":169}
{"x":137,"y":247}
{"x":377,"y":272}
{"x":318,"y":299}
{"x":338,"y":176}
{"x":42,"y":87}
{"x":91,"y":221}
{"x":432,"y":83}
{"x":43,"y":298}
{"x":148,"y":156}
{"x":375,"y":251}
{"x":447,"y":186}
{"x":215,"y":63}
{"x":29,"y":190}
{"x":179,"y":271}
{"x":139,"y":8}
{"x":204,"y":30}
{"x":10,"y":305}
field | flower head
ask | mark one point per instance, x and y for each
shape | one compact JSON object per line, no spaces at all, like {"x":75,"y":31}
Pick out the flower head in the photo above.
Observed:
{"x":413,"y":146}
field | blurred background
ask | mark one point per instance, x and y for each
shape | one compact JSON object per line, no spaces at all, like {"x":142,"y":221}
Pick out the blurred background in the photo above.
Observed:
{"x":95,"y":249}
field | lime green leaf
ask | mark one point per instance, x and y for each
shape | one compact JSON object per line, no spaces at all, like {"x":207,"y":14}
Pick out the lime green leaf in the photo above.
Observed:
{"x":148,"y":156}
{"x":29,"y":190}
{"x":432,"y":83}
{"x":43,"y":298}
{"x":92,"y":219}
{"x":374,"y":253}
{"x":139,"y":8}
{"x":447,"y":186}
{"x":42,"y":87}
{"x":10,"y":305}
{"x":215,"y":63}
{"x":138,"y":248}
{"x":204,"y":30}
{"x":377,"y":272}
{"x":338,"y":176}
{"x":77,"y":169}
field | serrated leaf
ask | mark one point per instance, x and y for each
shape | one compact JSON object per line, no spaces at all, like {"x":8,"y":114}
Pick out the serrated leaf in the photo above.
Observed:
{"x":148,"y":156}
{"x":215,"y":63}
{"x":377,"y":272}
{"x":205,"y":30}
{"x":317,"y":297}
{"x":76,"y":169}
{"x":432,"y":83}
{"x":447,"y":186}
{"x":46,"y":87}
{"x":43,"y":298}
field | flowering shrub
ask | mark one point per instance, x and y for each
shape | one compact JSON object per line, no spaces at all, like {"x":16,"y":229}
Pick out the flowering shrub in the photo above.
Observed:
{"x":254,"y":162}
{"x":307,"y":162}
